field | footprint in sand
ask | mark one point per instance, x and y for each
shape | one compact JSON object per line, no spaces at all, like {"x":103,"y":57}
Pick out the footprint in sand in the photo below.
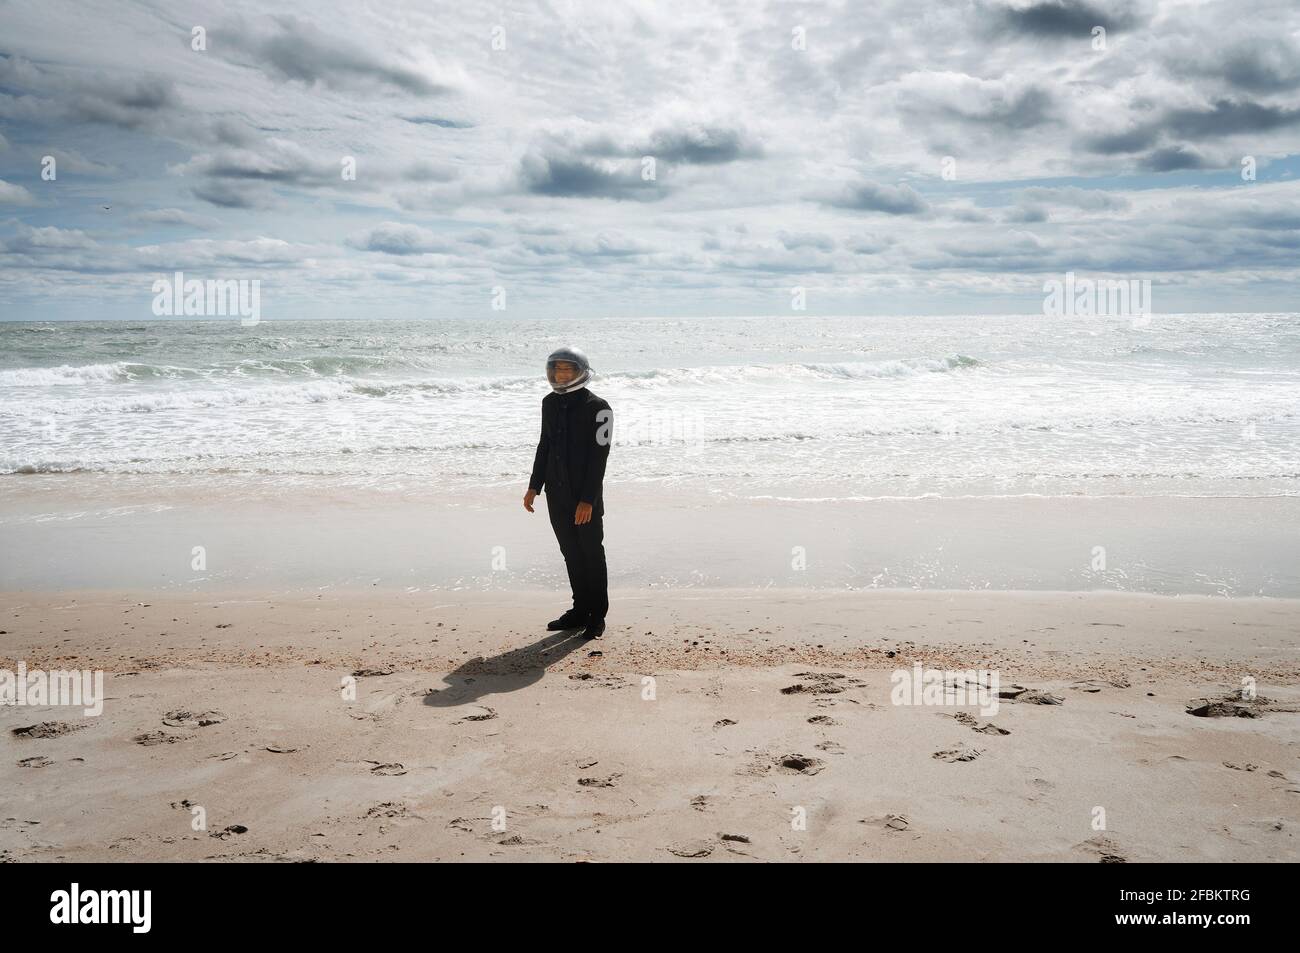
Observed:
{"x":37,"y":762}
{"x":487,"y":714}
{"x":830,"y":701}
{"x":1232,"y":705}
{"x":390,"y":809}
{"x":159,"y":738}
{"x":373,"y":672}
{"x":1103,"y":848}
{"x":389,"y":769}
{"x":891,"y":822}
{"x":1094,"y":685}
{"x":605,"y":782}
{"x":46,"y":729}
{"x":691,"y":849}
{"x":1029,"y":696}
{"x":961,"y":753}
{"x":183,"y":718}
{"x":723,"y":723}
{"x":971,"y":722}
{"x":730,"y":842}
{"x":605,"y":681}
{"x":228,"y":832}
{"x":799,"y":764}
{"x":822,"y":683}
{"x":826,"y":720}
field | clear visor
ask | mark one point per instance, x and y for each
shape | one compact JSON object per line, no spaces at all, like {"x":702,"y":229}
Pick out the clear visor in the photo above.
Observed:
{"x":561,"y":372}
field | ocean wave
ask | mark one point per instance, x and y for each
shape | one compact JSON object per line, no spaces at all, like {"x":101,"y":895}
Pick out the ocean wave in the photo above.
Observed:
{"x":146,"y":402}
{"x":359,"y":368}
{"x":842,"y":370}
{"x":862,"y":370}
{"x":67,"y":374}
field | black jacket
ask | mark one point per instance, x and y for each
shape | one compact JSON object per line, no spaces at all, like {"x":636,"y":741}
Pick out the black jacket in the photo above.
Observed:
{"x":576,"y":431}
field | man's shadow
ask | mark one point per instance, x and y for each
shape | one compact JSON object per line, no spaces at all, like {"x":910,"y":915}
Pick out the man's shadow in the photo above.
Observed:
{"x":507,"y":672}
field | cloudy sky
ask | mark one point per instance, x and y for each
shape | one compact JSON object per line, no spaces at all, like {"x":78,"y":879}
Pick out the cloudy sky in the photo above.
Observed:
{"x":903,"y":157}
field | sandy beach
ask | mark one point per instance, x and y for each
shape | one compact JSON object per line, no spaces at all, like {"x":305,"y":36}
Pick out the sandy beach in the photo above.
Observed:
{"x":901,"y":403}
{"x":708,"y":725}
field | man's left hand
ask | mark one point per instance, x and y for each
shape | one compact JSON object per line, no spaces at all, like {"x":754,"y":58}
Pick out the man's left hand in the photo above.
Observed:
{"x":583,"y":515}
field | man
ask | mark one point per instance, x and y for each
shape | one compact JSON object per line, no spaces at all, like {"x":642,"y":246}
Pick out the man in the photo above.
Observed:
{"x":570,"y":464}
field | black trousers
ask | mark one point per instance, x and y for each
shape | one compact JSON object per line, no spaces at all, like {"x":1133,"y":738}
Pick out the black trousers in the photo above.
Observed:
{"x":583,"y":548}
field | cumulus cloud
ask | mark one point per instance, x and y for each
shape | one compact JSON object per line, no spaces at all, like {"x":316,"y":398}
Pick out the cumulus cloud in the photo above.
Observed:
{"x":1210,"y":121}
{"x":1172,"y":158}
{"x":133,"y":101}
{"x":873,"y":197}
{"x":11,"y":194}
{"x":236,"y":195}
{"x":558,"y":175}
{"x":1027,"y":212}
{"x":605,"y":244}
{"x":397,"y":238}
{"x":1068,"y":18}
{"x":26,"y":239}
{"x":276,"y":160}
{"x":219,"y":253}
{"x":296,"y":49}
{"x":700,"y":145}
{"x":969,"y":101}
{"x":1255,"y":63}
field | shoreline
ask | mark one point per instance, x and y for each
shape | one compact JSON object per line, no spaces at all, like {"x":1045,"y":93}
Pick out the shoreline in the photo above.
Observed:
{"x":340,"y":538}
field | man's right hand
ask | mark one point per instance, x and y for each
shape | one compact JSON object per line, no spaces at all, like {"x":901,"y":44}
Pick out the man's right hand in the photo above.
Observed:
{"x":528,"y":499}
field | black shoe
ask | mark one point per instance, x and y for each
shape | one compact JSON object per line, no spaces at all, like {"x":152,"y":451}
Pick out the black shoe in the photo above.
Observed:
{"x":572,"y":619}
{"x":594,"y":630}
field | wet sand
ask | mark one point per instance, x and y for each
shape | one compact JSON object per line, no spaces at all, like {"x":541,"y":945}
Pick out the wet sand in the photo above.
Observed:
{"x":124,"y":532}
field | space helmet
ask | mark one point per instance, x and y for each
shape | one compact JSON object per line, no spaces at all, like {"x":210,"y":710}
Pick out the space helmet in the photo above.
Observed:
{"x":575,"y":357}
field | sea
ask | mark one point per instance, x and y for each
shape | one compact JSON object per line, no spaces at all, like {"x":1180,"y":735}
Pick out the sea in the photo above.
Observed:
{"x":789,"y":407}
